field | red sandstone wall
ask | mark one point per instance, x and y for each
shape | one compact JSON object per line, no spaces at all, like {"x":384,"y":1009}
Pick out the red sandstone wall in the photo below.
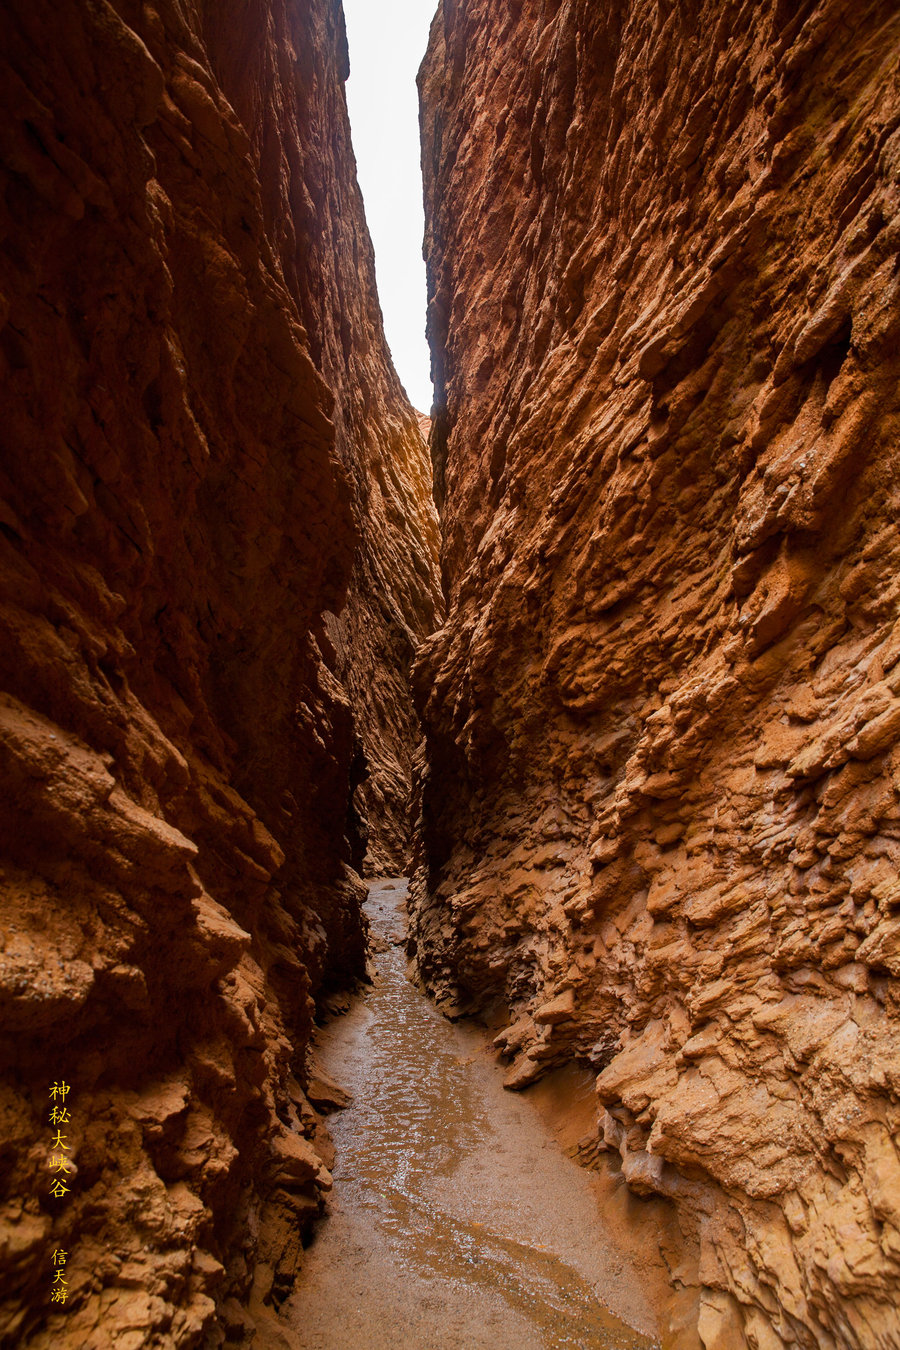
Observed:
{"x":661,"y":824}
{"x":182,"y":510}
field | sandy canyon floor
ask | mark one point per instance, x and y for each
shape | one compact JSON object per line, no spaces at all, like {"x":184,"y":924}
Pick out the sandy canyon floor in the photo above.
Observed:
{"x":457,"y":1220}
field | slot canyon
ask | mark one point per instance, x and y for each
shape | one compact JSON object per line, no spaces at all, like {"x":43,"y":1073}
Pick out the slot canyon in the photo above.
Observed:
{"x":604,"y":655}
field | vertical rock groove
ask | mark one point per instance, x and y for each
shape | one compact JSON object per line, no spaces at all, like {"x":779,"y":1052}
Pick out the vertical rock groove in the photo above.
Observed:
{"x":206,"y":457}
{"x":660,"y":814}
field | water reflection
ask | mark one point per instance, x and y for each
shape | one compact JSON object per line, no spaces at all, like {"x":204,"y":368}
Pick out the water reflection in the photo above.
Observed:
{"x":456,"y":1180}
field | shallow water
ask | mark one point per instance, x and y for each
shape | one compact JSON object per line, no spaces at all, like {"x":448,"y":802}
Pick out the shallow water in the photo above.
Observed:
{"x":456,"y":1221}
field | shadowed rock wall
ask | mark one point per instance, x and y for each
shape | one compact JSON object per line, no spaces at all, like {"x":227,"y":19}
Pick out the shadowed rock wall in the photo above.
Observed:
{"x":660,"y":815}
{"x":183,"y":506}
{"x":394,"y":597}
{"x":313,"y":211}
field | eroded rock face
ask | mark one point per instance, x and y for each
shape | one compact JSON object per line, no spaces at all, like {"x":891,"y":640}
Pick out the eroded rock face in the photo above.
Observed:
{"x":660,"y":814}
{"x":184,"y":505}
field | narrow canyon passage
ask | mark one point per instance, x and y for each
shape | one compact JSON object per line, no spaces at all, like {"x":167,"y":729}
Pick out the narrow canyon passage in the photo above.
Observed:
{"x":456,"y":1220}
{"x":624,"y":634}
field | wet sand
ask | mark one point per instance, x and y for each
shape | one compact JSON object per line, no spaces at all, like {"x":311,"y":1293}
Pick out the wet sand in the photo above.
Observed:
{"x":457,"y":1222}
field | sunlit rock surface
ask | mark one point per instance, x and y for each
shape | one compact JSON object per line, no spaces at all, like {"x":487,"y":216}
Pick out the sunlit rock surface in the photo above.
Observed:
{"x":184,"y":502}
{"x":660,"y":814}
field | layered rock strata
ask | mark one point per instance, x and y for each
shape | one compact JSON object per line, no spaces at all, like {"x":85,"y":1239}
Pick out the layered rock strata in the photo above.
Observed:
{"x":190,"y":482}
{"x":660,"y":813}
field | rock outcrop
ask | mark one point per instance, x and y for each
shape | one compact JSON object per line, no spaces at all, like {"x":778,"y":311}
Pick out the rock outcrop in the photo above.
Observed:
{"x":203,"y":449}
{"x":660,"y":812}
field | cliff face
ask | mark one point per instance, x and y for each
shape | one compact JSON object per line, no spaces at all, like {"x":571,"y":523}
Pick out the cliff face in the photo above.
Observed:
{"x":183,"y":506}
{"x":660,"y":814}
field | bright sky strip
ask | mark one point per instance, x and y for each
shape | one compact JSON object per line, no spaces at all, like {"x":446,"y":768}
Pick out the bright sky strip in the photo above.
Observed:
{"x":387,"y":40}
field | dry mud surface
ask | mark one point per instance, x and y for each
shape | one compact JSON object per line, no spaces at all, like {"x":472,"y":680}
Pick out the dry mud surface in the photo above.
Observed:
{"x":456,"y":1220}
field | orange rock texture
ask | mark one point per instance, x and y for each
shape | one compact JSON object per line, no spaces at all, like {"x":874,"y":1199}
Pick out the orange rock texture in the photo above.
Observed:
{"x":660,"y":815}
{"x":204,"y":448}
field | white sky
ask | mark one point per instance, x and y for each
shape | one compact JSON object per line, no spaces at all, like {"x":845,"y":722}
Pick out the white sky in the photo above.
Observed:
{"x":387,"y":40}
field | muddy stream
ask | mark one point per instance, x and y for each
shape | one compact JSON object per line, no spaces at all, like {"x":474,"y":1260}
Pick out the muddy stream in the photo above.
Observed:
{"x":457,"y":1221}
